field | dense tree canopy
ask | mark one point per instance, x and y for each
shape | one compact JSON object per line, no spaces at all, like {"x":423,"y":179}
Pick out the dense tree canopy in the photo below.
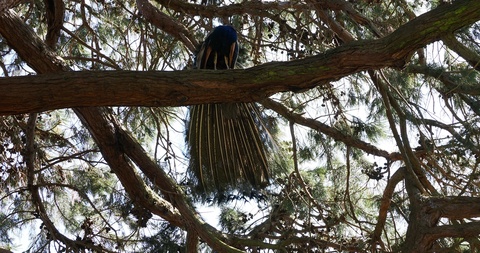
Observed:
{"x":371,"y":110}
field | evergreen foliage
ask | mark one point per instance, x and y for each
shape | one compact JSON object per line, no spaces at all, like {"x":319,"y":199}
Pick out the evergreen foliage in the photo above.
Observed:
{"x":384,"y":158}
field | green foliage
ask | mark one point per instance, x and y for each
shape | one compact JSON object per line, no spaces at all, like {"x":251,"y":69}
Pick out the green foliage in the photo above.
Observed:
{"x":329,"y":175}
{"x":232,"y":220}
{"x":168,"y":239}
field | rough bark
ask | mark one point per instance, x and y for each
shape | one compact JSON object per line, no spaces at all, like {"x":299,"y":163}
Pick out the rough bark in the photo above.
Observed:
{"x":55,"y":10}
{"x":113,"y":88}
{"x":450,"y":206}
{"x":423,"y":229}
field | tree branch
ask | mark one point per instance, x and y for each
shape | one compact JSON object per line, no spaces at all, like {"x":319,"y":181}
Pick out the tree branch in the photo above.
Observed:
{"x":171,"y":191}
{"x":449,"y":206}
{"x":327,"y":130}
{"x":469,"y":55}
{"x":465,"y":230}
{"x":397,"y":177}
{"x":55,"y":10}
{"x":451,"y":86}
{"x":78,"y":89}
{"x":105,"y":134}
{"x":254,"y":8}
{"x":166,"y":23}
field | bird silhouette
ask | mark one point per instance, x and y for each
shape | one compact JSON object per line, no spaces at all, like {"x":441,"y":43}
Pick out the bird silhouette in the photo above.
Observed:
{"x":227,"y":141}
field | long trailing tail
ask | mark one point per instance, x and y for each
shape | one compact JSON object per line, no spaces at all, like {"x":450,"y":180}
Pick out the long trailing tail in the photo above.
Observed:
{"x":227,"y":146}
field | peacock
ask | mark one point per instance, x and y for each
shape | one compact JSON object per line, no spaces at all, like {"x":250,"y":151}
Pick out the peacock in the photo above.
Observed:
{"x":228,"y":142}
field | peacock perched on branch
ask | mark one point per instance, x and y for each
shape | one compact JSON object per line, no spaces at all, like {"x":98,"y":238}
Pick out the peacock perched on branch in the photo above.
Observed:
{"x":228,"y":142}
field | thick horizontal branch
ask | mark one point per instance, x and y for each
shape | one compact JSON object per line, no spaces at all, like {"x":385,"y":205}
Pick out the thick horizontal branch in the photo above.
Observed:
{"x":254,"y":8}
{"x":176,"y":88}
{"x":466,"y":230}
{"x":448,"y":207}
{"x":126,"y":88}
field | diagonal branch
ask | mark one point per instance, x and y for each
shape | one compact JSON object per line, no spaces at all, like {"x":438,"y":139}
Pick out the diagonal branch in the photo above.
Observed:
{"x":397,"y":177}
{"x":46,"y":61}
{"x":328,"y":130}
{"x":166,"y":23}
{"x":110,"y":138}
{"x":104,"y":134}
{"x":471,"y":56}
